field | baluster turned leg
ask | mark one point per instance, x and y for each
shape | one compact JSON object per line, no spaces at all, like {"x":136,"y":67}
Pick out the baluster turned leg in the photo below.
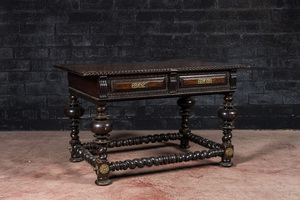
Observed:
{"x":228,"y":113}
{"x":185,"y":103}
{"x":101,"y":125}
{"x":74,"y":111}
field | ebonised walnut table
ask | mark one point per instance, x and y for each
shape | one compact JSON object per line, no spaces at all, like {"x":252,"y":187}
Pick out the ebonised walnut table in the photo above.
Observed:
{"x":102,"y":83}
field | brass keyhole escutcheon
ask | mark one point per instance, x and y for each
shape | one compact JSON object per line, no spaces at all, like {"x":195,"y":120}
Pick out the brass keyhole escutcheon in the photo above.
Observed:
{"x":139,"y":85}
{"x":204,"y":81}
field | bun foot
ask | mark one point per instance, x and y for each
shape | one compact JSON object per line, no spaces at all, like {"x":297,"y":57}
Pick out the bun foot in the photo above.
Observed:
{"x":103,"y":182}
{"x":184,"y":146}
{"x":226,"y":164}
{"x":79,"y":159}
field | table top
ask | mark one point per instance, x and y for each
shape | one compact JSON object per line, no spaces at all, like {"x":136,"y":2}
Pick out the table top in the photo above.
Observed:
{"x":146,"y":67}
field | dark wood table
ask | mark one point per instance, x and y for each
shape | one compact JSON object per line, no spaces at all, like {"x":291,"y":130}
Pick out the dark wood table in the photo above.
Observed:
{"x":102,"y":83}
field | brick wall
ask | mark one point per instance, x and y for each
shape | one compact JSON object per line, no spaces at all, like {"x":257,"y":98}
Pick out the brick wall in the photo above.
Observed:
{"x":35,"y":35}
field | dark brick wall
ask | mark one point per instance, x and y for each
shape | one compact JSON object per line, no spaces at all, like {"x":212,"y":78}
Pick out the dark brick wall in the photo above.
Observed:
{"x":36,"y":34}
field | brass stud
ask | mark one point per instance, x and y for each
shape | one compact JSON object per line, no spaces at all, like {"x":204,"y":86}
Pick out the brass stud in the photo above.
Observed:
{"x":229,"y":152}
{"x":70,"y":148}
{"x":104,"y":168}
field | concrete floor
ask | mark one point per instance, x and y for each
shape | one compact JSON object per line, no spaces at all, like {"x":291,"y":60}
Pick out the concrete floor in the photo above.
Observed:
{"x":34,"y":165}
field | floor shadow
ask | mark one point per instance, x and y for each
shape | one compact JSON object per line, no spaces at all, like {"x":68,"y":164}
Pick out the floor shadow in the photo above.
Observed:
{"x":144,"y":147}
{"x":126,"y":134}
{"x":175,"y":167}
{"x":266,"y":149}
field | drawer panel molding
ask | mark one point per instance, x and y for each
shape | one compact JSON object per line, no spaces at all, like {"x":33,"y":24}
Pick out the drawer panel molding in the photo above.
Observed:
{"x":202,"y":80}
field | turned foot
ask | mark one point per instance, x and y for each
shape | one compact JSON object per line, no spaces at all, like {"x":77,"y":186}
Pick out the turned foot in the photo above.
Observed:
{"x":74,"y":111}
{"x":101,"y":125}
{"x":228,"y":114}
{"x":185,"y":103}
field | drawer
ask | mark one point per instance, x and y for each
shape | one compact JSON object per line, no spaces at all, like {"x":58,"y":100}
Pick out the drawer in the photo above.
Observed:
{"x":138,"y":84}
{"x":202,"y":80}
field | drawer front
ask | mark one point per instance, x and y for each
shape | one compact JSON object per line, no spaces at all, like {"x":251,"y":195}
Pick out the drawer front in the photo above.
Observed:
{"x":140,"y":84}
{"x":202,"y":80}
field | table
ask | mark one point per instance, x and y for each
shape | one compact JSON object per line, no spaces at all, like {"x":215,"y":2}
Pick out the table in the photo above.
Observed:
{"x":102,"y":83}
